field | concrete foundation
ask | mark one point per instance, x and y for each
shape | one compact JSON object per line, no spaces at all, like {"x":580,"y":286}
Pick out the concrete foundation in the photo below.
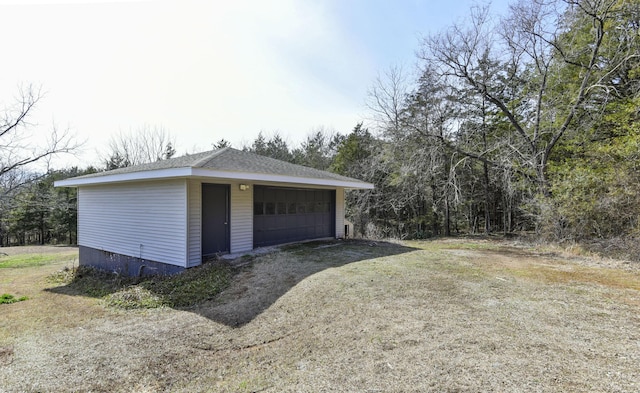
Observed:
{"x":124,"y":264}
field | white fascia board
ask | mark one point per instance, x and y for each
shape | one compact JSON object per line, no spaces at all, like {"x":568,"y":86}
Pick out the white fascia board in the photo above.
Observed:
{"x":207,"y":173}
{"x":200,"y":172}
{"x":126,"y":177}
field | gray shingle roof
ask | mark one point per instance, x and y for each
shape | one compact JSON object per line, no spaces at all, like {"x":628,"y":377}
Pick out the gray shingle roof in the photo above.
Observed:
{"x":230,"y":160}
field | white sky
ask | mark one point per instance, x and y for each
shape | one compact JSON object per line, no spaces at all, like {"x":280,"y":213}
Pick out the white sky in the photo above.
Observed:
{"x":207,"y":70}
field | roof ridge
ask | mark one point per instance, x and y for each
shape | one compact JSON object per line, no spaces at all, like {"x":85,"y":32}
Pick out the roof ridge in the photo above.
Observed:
{"x":208,"y":157}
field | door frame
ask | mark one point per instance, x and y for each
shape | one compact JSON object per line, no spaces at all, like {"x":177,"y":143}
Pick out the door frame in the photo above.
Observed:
{"x":227,"y":205}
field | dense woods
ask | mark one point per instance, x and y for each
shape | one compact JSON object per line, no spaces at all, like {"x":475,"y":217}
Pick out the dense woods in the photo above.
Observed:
{"x":525,"y":122}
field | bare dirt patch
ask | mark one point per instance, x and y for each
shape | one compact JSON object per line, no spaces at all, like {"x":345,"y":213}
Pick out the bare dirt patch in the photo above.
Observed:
{"x":366,"y":317}
{"x":6,"y":356}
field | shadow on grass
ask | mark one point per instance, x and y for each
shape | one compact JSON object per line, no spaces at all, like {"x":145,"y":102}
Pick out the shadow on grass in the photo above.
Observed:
{"x":229,"y":292}
{"x":260,"y":284}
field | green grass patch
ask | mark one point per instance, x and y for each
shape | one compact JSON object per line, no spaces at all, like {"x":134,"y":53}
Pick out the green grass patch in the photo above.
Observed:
{"x":6,"y":298}
{"x":31,"y":260}
{"x":182,"y":290}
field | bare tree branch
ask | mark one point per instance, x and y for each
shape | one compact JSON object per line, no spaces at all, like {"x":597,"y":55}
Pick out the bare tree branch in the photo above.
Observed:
{"x":387,"y":98}
{"x":533,"y":43}
{"x":143,"y":145}
{"x":16,"y":115}
{"x":19,"y":144}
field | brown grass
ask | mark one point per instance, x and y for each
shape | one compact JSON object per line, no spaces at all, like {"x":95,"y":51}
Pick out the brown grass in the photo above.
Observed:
{"x":42,"y":309}
{"x":447,"y":316}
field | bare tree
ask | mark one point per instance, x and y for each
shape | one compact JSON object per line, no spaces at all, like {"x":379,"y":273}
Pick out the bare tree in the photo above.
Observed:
{"x":517,"y":66}
{"x":387,"y":99}
{"x":19,"y":147}
{"x":144,"y":145}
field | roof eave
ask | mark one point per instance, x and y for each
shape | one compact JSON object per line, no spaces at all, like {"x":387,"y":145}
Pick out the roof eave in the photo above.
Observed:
{"x":208,"y":173}
{"x":156,"y":174}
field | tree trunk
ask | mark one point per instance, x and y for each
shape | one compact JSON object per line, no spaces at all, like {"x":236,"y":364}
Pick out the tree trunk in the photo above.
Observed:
{"x":447,"y":217}
{"x":487,"y":201}
{"x":434,"y":208}
{"x":41,"y":229}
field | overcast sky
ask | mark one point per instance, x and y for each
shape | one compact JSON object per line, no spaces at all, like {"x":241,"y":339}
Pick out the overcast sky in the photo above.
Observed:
{"x":209,"y":70}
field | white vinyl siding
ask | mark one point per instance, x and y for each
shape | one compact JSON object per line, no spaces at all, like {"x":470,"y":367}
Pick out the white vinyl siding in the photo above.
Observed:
{"x":194,"y":244}
{"x":146,"y":220}
{"x":241,"y":218}
{"x":340,"y":213}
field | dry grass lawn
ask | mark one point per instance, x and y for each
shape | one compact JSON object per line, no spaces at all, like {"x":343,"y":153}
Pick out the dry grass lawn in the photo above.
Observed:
{"x":441,"y":316}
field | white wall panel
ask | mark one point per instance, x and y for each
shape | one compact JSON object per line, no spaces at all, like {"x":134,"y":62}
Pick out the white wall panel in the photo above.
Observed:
{"x":146,"y":220}
{"x":340,"y":213}
{"x":241,"y":218}
{"x":194,"y":222}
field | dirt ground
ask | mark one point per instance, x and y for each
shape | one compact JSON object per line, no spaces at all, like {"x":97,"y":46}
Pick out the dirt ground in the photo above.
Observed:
{"x":443,"y":316}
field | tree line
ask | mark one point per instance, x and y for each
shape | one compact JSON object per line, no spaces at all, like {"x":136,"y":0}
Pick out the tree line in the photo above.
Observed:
{"x":521,"y":122}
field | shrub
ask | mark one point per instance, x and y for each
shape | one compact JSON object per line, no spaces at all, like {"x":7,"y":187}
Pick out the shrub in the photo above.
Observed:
{"x":6,"y":298}
{"x":186,"y":289}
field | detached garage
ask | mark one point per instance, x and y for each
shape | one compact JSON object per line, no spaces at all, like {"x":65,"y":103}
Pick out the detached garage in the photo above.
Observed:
{"x":163,"y":217}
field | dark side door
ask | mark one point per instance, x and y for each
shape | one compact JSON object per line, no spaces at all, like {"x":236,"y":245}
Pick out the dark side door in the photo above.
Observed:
{"x":215,"y":219}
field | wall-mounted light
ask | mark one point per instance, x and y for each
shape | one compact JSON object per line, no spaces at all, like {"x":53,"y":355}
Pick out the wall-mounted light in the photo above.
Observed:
{"x":244,"y":187}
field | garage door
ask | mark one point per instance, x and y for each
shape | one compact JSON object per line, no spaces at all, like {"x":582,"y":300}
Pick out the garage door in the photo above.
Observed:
{"x":284,"y":215}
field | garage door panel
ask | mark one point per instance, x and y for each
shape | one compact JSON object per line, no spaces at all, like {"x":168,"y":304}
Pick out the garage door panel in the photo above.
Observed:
{"x":283,"y":215}
{"x":281,"y":221}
